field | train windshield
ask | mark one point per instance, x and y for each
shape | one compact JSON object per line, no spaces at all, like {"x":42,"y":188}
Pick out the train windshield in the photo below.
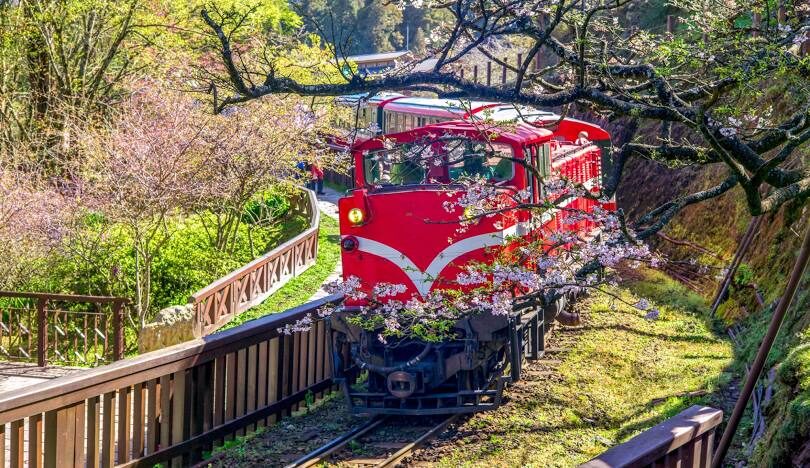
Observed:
{"x":442,"y":162}
{"x":479,"y":159}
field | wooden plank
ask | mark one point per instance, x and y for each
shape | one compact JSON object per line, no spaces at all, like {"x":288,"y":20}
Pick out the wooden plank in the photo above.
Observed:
{"x":230,"y":389}
{"x":312,"y":351}
{"x":206,"y":405}
{"x":261,"y":379}
{"x":60,"y":437}
{"x":197,"y":392}
{"x":53,"y":448}
{"x":320,"y":357}
{"x":79,"y":434}
{"x":35,"y":434}
{"x":152,"y":417}
{"x":107,"y":432}
{"x":124,"y":423}
{"x":3,"y":446}
{"x":66,"y":433}
{"x":165,"y":411}
{"x":286,"y":370}
{"x":17,"y":447}
{"x":273,"y":375}
{"x":252,"y":391}
{"x":92,"y":416}
{"x":138,"y":420}
{"x":295,"y":362}
{"x":178,"y":412}
{"x":219,"y":394}
{"x":241,"y":394}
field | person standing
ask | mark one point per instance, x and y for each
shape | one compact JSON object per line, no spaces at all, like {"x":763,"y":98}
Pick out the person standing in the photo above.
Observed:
{"x":317,"y":178}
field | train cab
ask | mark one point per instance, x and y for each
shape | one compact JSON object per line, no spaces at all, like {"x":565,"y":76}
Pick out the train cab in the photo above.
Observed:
{"x":395,"y":227}
{"x":401,"y":226}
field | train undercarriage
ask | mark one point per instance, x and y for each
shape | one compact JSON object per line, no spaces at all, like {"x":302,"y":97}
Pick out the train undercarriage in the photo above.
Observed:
{"x":464,"y":375}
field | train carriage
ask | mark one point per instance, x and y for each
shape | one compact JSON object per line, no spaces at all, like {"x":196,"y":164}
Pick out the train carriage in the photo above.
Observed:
{"x":394,"y":229}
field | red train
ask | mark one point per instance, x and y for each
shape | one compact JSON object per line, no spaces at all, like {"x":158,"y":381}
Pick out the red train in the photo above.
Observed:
{"x":396,"y":229}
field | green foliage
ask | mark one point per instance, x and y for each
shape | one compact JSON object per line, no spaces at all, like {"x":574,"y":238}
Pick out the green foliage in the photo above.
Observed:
{"x":267,"y":208}
{"x":188,"y":262}
{"x":663,"y":289}
{"x":101,"y":261}
{"x":259,"y":19}
{"x":309,"y":400}
{"x":363,"y":27}
{"x":299,"y":289}
{"x":744,"y":275}
{"x":789,"y":411}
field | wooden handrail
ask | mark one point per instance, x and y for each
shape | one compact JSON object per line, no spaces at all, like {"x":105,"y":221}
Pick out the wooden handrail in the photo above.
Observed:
{"x":686,"y":440}
{"x":172,"y":404}
{"x":111,"y":333}
{"x":64,"y":297}
{"x":250,"y":284}
{"x":73,"y":388}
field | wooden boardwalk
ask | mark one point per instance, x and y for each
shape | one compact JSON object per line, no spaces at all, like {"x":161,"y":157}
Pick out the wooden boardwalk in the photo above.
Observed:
{"x":19,"y":375}
{"x":16,"y":375}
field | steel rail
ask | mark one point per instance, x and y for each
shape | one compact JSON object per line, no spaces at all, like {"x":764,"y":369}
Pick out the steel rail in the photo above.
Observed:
{"x":334,"y":445}
{"x":324,"y":451}
{"x":410,"y":448}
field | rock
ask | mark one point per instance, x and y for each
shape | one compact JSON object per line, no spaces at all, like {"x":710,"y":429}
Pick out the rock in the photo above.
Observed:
{"x":171,"y":326}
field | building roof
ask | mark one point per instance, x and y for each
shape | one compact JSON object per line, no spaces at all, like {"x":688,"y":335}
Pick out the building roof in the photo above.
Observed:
{"x":363,"y":58}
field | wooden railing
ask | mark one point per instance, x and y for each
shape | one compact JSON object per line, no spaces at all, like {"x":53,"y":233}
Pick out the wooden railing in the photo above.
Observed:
{"x":686,"y":440}
{"x":215,"y":304}
{"x":61,"y":328}
{"x":171,"y":405}
{"x":339,"y":178}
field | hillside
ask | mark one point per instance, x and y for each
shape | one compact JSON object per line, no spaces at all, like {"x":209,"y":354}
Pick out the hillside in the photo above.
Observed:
{"x":718,"y":226}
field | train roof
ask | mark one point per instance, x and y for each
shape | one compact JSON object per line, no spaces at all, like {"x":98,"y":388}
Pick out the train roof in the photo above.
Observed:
{"x":456,"y":109}
{"x":521,"y":133}
{"x":451,"y":108}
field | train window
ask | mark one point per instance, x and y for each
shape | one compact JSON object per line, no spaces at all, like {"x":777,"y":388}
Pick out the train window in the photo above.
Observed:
{"x":475,"y":158}
{"x":391,"y":168}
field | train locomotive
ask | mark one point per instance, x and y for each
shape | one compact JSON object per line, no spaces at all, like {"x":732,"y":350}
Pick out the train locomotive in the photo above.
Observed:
{"x":394,"y":229}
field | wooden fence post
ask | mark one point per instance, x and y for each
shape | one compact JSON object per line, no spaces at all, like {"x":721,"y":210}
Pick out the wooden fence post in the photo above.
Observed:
{"x":118,"y":330}
{"x":756,"y":25}
{"x":503,"y":72}
{"x":781,"y":15}
{"x":42,"y":332}
{"x":671,"y":24}
{"x":475,"y":73}
{"x":489,"y":73}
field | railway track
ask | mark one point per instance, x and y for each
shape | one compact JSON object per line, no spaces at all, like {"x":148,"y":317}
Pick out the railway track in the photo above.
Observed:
{"x":409,"y":434}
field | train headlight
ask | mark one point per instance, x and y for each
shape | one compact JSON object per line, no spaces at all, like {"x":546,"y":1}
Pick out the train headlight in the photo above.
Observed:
{"x":469,"y":213}
{"x":356,"y":216}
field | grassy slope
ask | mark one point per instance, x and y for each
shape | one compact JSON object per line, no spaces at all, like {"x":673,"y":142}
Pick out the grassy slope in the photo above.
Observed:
{"x":620,"y":375}
{"x":302,"y":287}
